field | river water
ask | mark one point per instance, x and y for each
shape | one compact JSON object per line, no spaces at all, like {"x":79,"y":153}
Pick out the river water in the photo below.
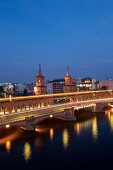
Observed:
{"x":57,"y":145}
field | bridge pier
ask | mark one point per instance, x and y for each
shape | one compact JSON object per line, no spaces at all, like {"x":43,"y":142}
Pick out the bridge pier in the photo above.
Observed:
{"x":67,"y":114}
{"x":29,"y":125}
{"x":100,"y":107}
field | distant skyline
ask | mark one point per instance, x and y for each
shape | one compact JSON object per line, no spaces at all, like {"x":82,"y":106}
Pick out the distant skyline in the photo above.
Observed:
{"x":56,"y":34}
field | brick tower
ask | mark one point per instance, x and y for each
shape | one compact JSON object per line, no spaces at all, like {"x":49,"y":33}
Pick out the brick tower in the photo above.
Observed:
{"x":40,"y":87}
{"x":69,"y":84}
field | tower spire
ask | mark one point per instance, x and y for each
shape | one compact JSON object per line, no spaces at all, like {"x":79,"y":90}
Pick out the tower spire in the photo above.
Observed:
{"x":40,"y":71}
{"x":40,"y":87}
{"x":67,"y":74}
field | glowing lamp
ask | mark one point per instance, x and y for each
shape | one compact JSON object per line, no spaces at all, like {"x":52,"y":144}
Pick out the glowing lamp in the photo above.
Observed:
{"x":7,"y":126}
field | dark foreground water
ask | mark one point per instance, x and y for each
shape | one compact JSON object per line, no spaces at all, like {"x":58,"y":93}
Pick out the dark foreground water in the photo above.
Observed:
{"x":86,"y":144}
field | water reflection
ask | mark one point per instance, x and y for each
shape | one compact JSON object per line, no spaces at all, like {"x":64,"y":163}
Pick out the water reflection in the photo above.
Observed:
{"x":111,"y":122}
{"x":79,"y":126}
{"x":39,"y":143}
{"x":51,"y":133}
{"x":8,"y":145}
{"x":27,"y":151}
{"x":74,"y":145}
{"x":110,"y":119}
{"x":95,"y":129}
{"x":92,"y":123}
{"x":7,"y":136}
{"x":65,"y":137}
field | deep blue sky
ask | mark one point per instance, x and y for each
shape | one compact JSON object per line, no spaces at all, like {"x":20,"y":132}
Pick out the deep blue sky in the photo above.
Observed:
{"x":55,"y":33}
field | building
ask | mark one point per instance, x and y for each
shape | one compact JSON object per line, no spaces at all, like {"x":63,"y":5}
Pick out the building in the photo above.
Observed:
{"x":19,"y":89}
{"x":7,"y":89}
{"x":55,"y":86}
{"x":87,"y":84}
{"x":40,"y":87}
{"x":29,"y":89}
{"x":49,"y":85}
{"x":106,"y":84}
{"x":70,"y":85}
{"x":58,"y":86}
{"x":16,"y":89}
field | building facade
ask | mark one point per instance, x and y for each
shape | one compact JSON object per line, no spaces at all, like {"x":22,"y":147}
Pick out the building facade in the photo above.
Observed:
{"x":55,"y":86}
{"x":87,"y":84}
{"x":58,"y":86}
{"x":70,"y":85}
{"x":106,"y":84}
{"x":40,"y":87}
{"x":49,"y":85}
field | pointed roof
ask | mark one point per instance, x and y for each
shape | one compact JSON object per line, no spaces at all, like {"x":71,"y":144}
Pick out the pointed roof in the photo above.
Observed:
{"x":40,"y":71}
{"x":67,"y":74}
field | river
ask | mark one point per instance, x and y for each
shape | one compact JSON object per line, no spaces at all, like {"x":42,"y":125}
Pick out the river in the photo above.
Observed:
{"x":85,"y":144}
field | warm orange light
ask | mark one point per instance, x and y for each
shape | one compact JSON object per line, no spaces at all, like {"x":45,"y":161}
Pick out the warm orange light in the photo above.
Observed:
{"x":36,"y":129}
{"x":95,"y":129}
{"x":110,"y":118}
{"x":27,"y":151}
{"x":53,"y":95}
{"x":51,"y":133}
{"x":78,"y":128}
{"x":51,"y":116}
{"x":8,"y":145}
{"x":7,"y":126}
{"x":65,"y":138}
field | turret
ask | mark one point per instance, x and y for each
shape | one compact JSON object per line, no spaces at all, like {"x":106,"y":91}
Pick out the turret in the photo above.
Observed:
{"x":40,"y":87}
{"x":69,"y":84}
{"x":68,"y":79}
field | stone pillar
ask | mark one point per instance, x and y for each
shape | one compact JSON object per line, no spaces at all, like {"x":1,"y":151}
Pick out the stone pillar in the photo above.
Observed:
{"x":69,"y":114}
{"x":100,"y":107}
{"x":30,"y":123}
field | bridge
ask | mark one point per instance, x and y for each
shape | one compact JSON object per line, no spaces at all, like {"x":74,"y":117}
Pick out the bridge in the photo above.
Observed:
{"x":28,"y":111}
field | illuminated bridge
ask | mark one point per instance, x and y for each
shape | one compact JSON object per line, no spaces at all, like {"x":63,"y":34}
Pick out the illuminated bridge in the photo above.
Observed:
{"x":27,"y":111}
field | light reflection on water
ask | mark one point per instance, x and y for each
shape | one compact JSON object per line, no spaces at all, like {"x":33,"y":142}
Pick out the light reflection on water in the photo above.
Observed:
{"x":48,"y":139}
{"x":27,"y":151}
{"x":92,"y":123}
{"x":6,"y":140}
{"x":65,"y":139}
{"x":95,"y":129}
{"x":8,"y":145}
{"x":110,"y":119}
{"x":41,"y":131}
{"x":51,"y":133}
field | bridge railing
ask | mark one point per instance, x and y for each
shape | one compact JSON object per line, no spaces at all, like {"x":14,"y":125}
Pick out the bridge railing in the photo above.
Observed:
{"x":20,"y":104}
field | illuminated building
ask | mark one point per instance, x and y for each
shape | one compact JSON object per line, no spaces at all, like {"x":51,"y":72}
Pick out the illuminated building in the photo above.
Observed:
{"x":49,"y":87}
{"x":70,"y":85}
{"x":40,"y":87}
{"x":55,"y":86}
{"x":87,"y":84}
{"x":58,"y":85}
{"x":61,"y":85}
